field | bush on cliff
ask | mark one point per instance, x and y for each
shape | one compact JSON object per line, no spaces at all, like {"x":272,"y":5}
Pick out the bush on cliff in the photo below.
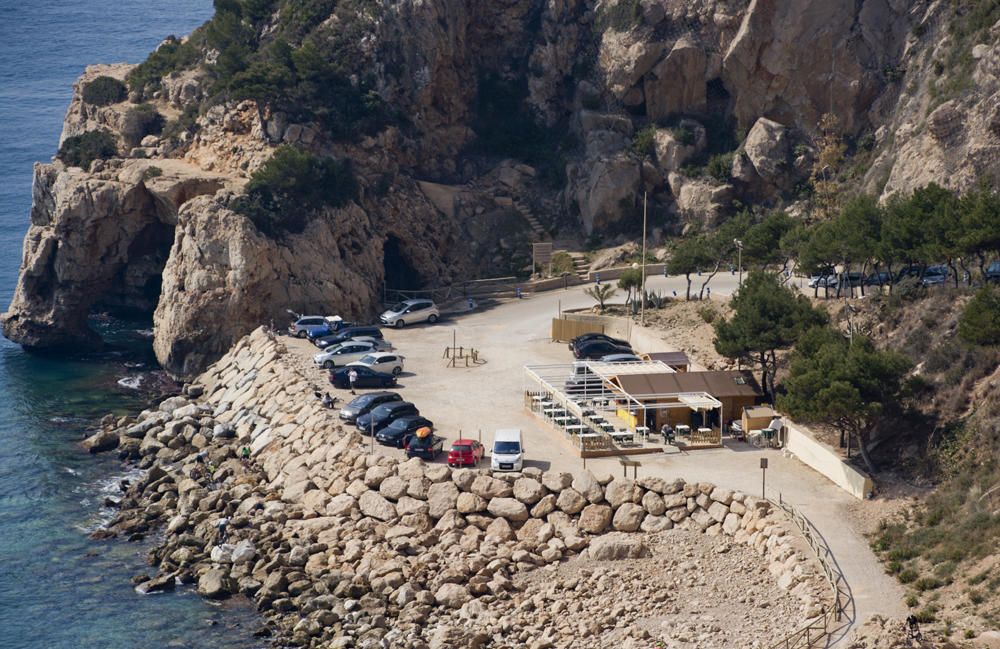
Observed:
{"x":141,"y":121}
{"x":104,"y":91}
{"x":980,"y":321}
{"x":171,"y":55}
{"x":290,"y":187}
{"x":81,"y":150}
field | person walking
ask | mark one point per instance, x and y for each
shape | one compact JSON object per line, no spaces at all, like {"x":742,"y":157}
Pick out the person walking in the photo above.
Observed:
{"x":352,"y":376}
{"x":221,"y":526}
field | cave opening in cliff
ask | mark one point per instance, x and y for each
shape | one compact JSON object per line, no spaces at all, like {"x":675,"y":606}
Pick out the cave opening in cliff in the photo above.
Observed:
{"x":134,"y":289}
{"x":399,"y":272}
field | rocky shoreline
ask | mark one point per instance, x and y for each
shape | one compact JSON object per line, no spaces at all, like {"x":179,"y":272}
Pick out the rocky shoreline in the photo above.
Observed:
{"x":339,"y":548}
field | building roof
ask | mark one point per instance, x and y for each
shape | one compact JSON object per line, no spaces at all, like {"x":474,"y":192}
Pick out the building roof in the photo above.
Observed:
{"x":721,"y":384}
{"x":670,"y":358}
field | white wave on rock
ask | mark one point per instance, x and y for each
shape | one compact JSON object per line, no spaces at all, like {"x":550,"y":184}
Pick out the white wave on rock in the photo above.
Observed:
{"x":131,"y":382}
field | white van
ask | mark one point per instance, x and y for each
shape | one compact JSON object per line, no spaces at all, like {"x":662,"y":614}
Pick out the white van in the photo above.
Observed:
{"x":508,"y":450}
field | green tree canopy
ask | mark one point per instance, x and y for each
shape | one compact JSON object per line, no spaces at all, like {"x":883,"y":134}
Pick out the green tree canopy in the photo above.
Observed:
{"x":689,"y":255}
{"x":848,"y":384}
{"x":980,"y":320}
{"x":768,"y":316}
{"x":630,"y":281}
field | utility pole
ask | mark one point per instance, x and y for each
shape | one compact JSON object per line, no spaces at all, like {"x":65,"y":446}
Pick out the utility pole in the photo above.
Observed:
{"x":739,"y":256}
{"x":642,"y":304}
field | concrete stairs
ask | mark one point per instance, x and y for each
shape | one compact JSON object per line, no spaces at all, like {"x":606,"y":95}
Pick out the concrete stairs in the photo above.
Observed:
{"x":537,"y":229}
{"x":580,"y":265}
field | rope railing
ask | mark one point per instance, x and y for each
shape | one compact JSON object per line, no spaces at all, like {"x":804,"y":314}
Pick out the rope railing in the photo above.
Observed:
{"x":818,"y":629}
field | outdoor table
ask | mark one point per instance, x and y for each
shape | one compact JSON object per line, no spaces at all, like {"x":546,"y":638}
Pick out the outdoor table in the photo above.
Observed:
{"x":643,"y":431}
{"x":589,"y":435}
{"x":573,"y":427}
{"x":562,"y":420}
{"x":683,"y":429}
{"x":704,"y":430}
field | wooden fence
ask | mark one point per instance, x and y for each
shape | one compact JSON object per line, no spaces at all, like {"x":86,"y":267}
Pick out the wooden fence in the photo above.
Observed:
{"x":817,"y":630}
{"x":564,"y":330}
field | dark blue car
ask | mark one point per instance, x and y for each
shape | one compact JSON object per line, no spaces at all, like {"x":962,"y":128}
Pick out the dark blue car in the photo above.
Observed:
{"x":327,"y":328}
{"x":367,"y":377}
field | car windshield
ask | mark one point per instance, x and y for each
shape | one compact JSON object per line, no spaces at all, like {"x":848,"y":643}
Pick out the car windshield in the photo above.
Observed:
{"x":362,"y":401}
{"x":367,"y":360}
{"x":396,"y":308}
{"x":461,"y":448}
{"x":506,"y":448}
{"x":400,"y":424}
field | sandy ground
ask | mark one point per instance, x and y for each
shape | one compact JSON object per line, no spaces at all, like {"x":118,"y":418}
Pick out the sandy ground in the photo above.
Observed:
{"x":475,"y":401}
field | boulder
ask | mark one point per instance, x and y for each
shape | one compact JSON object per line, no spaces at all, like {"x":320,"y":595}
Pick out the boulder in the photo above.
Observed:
{"x":375,"y":475}
{"x":452,"y":595}
{"x":508,"y":508}
{"x":441,"y":497}
{"x":556,"y":481}
{"x":469,"y":503}
{"x":528,"y":491}
{"x":450,"y":637}
{"x":393,"y":488}
{"x":595,"y":518}
{"x":244,"y":552}
{"x":613,"y":547}
{"x":544,"y":507}
{"x":653,"y":524}
{"x":677,"y":84}
{"x":731,"y":524}
{"x":374,"y":505}
{"x":622,"y":490}
{"x":341,"y":505}
{"x":653,"y":504}
{"x":571,"y":501}
{"x":488,"y":487}
{"x":628,"y":517}
{"x":674,"y":147}
{"x":718,"y":511}
{"x":587,"y":485}
{"x":500,"y":529}
{"x":216,"y":584}
{"x":101,"y":441}
{"x":720,"y":495}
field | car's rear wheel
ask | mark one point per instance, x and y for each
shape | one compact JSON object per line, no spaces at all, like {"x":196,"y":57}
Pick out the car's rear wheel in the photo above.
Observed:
{"x":397,"y":370}
{"x":432,"y":318}
{"x":327,"y":365}
{"x":399,"y":324}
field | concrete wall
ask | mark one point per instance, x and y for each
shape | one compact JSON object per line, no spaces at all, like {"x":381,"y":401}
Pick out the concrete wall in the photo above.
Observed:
{"x":824,"y":460}
{"x":614,"y":273}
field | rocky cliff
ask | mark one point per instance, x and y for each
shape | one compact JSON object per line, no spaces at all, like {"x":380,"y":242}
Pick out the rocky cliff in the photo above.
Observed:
{"x":471,"y":129}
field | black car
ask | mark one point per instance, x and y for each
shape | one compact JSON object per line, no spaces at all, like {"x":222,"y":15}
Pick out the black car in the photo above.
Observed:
{"x":398,"y":432}
{"x":586,"y":338}
{"x":384,"y":415}
{"x":367,"y":377}
{"x":597,"y":348}
{"x":993,"y":272}
{"x":427,"y":448}
{"x":881,"y":278}
{"x":347,"y":334}
{"x":366,"y":403}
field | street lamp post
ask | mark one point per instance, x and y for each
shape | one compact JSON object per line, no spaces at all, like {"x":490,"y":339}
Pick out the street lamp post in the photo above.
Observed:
{"x":739,"y":256}
{"x":763,"y":476}
{"x":642,"y":304}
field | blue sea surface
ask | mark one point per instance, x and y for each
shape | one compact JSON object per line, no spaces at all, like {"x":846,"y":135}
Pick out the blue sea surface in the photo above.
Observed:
{"x":58,"y":589}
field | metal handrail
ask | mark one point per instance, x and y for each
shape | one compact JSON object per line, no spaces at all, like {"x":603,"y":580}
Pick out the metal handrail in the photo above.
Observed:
{"x":803,"y":638}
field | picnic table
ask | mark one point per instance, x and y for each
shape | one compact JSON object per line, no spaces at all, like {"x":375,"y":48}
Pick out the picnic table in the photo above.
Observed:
{"x":683,"y":429}
{"x":643,"y":431}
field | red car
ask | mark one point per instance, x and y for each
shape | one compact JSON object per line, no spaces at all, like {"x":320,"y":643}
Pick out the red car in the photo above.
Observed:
{"x":465,"y":452}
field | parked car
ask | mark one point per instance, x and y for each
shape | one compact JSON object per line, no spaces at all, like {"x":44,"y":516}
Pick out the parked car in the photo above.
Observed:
{"x":397,"y":432}
{"x":367,"y":378}
{"x":426,"y":448}
{"x":387,"y":362}
{"x":823,"y":277}
{"x":298,"y":328}
{"x":586,"y":338}
{"x":344,"y":353}
{"x":465,"y":452}
{"x":381,"y":344}
{"x":370,"y":331}
{"x":410,"y":312}
{"x":881,"y":278}
{"x":908,"y":271}
{"x":365,"y":403}
{"x":384,"y":415}
{"x":852,"y":279}
{"x":620,"y":358}
{"x":993,"y":272}
{"x":508,"y":450}
{"x":598,"y":348}
{"x":935,"y":275}
{"x":331,"y":326}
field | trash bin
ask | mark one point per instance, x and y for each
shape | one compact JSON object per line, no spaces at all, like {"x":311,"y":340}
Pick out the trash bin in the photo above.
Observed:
{"x":769,"y":435}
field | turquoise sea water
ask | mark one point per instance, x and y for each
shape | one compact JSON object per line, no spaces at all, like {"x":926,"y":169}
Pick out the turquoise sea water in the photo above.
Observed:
{"x":59,"y":590}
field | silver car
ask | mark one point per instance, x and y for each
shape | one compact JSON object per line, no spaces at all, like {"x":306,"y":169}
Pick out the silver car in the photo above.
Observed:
{"x":409,"y":312}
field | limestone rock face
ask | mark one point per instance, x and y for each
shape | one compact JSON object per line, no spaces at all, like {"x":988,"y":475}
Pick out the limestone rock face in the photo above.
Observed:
{"x":97,"y":240}
{"x":82,"y":117}
{"x":677,"y":84}
{"x":606,"y":191}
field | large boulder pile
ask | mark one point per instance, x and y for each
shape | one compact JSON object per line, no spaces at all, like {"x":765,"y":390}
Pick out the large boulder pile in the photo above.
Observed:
{"x":334,"y":542}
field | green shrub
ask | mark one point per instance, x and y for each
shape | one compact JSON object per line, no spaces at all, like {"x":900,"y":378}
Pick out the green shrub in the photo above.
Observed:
{"x":926,"y":615}
{"x":907,"y":575}
{"x":720,"y":166}
{"x":927,"y":583}
{"x":644,"y":142}
{"x":290,"y":187}
{"x":562,"y":262}
{"x":152,"y":172}
{"x":81,"y":150}
{"x":684,"y":135}
{"x":912,"y":601}
{"x":708,"y":313}
{"x":621,"y":16}
{"x":140,"y":121}
{"x":170,"y":56}
{"x":979,"y":323}
{"x":104,"y":91}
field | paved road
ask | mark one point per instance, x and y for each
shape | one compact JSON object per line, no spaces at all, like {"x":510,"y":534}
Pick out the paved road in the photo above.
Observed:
{"x":474,"y":401}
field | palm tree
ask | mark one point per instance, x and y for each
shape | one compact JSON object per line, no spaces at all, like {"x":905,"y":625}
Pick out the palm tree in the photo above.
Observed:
{"x":600,"y":292}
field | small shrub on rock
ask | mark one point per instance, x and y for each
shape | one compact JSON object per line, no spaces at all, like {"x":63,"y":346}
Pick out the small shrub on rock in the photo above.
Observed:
{"x":284,"y":193}
{"x":980,"y":321}
{"x":644,"y":142}
{"x":104,"y":91}
{"x":81,"y":150}
{"x":141,"y":121}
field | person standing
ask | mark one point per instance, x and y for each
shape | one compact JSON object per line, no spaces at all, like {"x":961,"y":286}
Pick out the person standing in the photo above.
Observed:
{"x":352,"y":377}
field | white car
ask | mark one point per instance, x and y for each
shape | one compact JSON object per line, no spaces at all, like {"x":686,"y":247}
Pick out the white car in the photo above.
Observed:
{"x":409,"y":312}
{"x":344,"y":353}
{"x":298,"y":328}
{"x":385,"y":362}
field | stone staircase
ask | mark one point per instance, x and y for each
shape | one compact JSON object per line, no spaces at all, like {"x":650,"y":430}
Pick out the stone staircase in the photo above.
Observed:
{"x":580,"y":265}
{"x":539,"y":231}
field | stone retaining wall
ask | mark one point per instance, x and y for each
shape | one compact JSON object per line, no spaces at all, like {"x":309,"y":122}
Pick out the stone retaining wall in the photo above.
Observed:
{"x":342,"y":548}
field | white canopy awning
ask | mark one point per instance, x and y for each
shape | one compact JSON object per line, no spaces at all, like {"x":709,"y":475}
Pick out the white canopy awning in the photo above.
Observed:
{"x":699,"y":401}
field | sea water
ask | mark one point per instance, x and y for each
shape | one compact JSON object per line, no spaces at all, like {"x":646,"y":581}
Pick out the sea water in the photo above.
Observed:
{"x":59,"y":589}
